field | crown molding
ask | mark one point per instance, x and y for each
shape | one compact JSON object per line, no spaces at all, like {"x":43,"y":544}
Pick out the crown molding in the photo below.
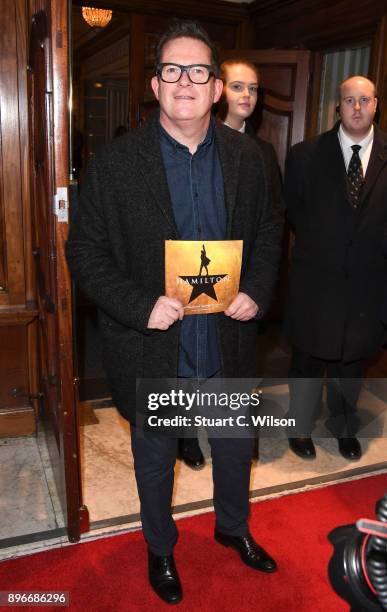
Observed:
{"x":286,"y":10}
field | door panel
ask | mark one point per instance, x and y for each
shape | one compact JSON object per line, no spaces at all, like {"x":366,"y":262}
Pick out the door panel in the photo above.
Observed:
{"x":275,"y":128}
{"x":48,"y":93}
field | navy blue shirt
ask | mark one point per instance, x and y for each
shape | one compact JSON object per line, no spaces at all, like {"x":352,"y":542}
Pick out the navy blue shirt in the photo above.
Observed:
{"x":196,"y":189}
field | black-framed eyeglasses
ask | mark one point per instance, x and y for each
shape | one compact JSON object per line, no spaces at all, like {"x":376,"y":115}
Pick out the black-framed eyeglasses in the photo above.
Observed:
{"x":197,"y":73}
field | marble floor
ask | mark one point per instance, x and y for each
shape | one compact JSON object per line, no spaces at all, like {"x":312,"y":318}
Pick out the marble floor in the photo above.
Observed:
{"x":30,"y":512}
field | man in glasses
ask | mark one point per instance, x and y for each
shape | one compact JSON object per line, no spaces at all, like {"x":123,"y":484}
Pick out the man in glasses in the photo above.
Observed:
{"x":336,"y":194}
{"x":179,"y":177}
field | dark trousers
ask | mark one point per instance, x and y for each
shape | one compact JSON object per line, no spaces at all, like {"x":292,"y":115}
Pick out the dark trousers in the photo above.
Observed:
{"x":154,"y":460}
{"x":344,"y":381}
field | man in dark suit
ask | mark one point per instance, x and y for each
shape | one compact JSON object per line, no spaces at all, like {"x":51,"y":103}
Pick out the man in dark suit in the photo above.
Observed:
{"x":335,"y":192}
{"x":179,"y":176}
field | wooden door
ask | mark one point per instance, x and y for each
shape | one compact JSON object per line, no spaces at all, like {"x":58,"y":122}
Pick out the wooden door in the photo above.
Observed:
{"x":48,"y":93}
{"x":280,"y":118}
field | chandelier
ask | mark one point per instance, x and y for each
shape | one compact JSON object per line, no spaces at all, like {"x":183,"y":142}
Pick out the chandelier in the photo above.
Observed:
{"x":95,"y":17}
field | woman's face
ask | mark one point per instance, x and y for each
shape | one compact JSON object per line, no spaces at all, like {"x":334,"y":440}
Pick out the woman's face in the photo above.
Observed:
{"x":241,"y":92}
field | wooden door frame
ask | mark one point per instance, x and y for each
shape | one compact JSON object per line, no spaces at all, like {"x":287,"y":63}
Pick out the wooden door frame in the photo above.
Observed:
{"x":301,"y":57}
{"x":77,"y":513}
{"x":52,"y":30}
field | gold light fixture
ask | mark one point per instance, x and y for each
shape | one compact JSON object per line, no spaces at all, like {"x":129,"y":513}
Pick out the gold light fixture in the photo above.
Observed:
{"x":95,"y":17}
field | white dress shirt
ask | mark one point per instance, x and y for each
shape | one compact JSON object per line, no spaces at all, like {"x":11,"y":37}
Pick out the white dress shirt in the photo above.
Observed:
{"x":366,"y":146}
{"x":242,"y":129}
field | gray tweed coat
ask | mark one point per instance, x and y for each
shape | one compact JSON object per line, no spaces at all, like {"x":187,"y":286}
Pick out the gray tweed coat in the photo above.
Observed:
{"x":116,"y":253}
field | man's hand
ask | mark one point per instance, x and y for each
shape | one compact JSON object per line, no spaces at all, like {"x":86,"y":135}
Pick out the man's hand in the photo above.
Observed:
{"x":242,"y":308}
{"x":165,"y":312}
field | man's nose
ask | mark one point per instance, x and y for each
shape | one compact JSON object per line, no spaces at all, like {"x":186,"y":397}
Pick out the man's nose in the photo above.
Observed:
{"x":184,"y":80}
{"x":357,"y":104}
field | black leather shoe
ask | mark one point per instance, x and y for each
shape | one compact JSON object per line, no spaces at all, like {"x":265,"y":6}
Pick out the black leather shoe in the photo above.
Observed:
{"x":251,"y":554}
{"x":190,"y":452}
{"x":350,"y":448}
{"x":303,"y":447}
{"x":164,"y":578}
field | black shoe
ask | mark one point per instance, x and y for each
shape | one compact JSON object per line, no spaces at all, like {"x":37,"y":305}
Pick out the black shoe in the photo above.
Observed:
{"x":303,"y":447}
{"x":190,"y":452}
{"x":164,"y":578}
{"x":350,"y":448}
{"x":251,"y":554}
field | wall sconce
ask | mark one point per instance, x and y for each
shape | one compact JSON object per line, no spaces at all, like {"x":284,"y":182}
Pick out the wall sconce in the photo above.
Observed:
{"x":95,"y":17}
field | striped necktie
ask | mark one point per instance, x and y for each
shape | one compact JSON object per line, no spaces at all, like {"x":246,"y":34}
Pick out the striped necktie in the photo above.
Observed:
{"x":355,"y":175}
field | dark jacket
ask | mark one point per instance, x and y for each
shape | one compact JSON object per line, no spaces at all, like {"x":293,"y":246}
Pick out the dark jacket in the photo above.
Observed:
{"x":338,"y":274}
{"x":271,"y":165}
{"x":116,"y":254}
{"x":383,"y":313}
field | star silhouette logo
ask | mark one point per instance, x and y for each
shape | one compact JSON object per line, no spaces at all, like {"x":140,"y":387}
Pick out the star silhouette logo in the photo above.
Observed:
{"x":203,"y":284}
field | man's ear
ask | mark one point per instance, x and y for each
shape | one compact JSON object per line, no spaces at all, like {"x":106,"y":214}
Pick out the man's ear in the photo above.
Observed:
{"x":155,"y":86}
{"x":218,"y":88}
{"x":338,"y":109}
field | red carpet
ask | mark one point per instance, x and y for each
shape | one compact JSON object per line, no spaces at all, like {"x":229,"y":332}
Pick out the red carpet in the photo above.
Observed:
{"x":110,"y":574}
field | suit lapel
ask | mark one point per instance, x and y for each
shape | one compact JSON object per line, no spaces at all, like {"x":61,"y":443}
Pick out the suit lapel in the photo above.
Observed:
{"x":377,"y":160}
{"x":152,"y":169}
{"x":229,"y":156}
